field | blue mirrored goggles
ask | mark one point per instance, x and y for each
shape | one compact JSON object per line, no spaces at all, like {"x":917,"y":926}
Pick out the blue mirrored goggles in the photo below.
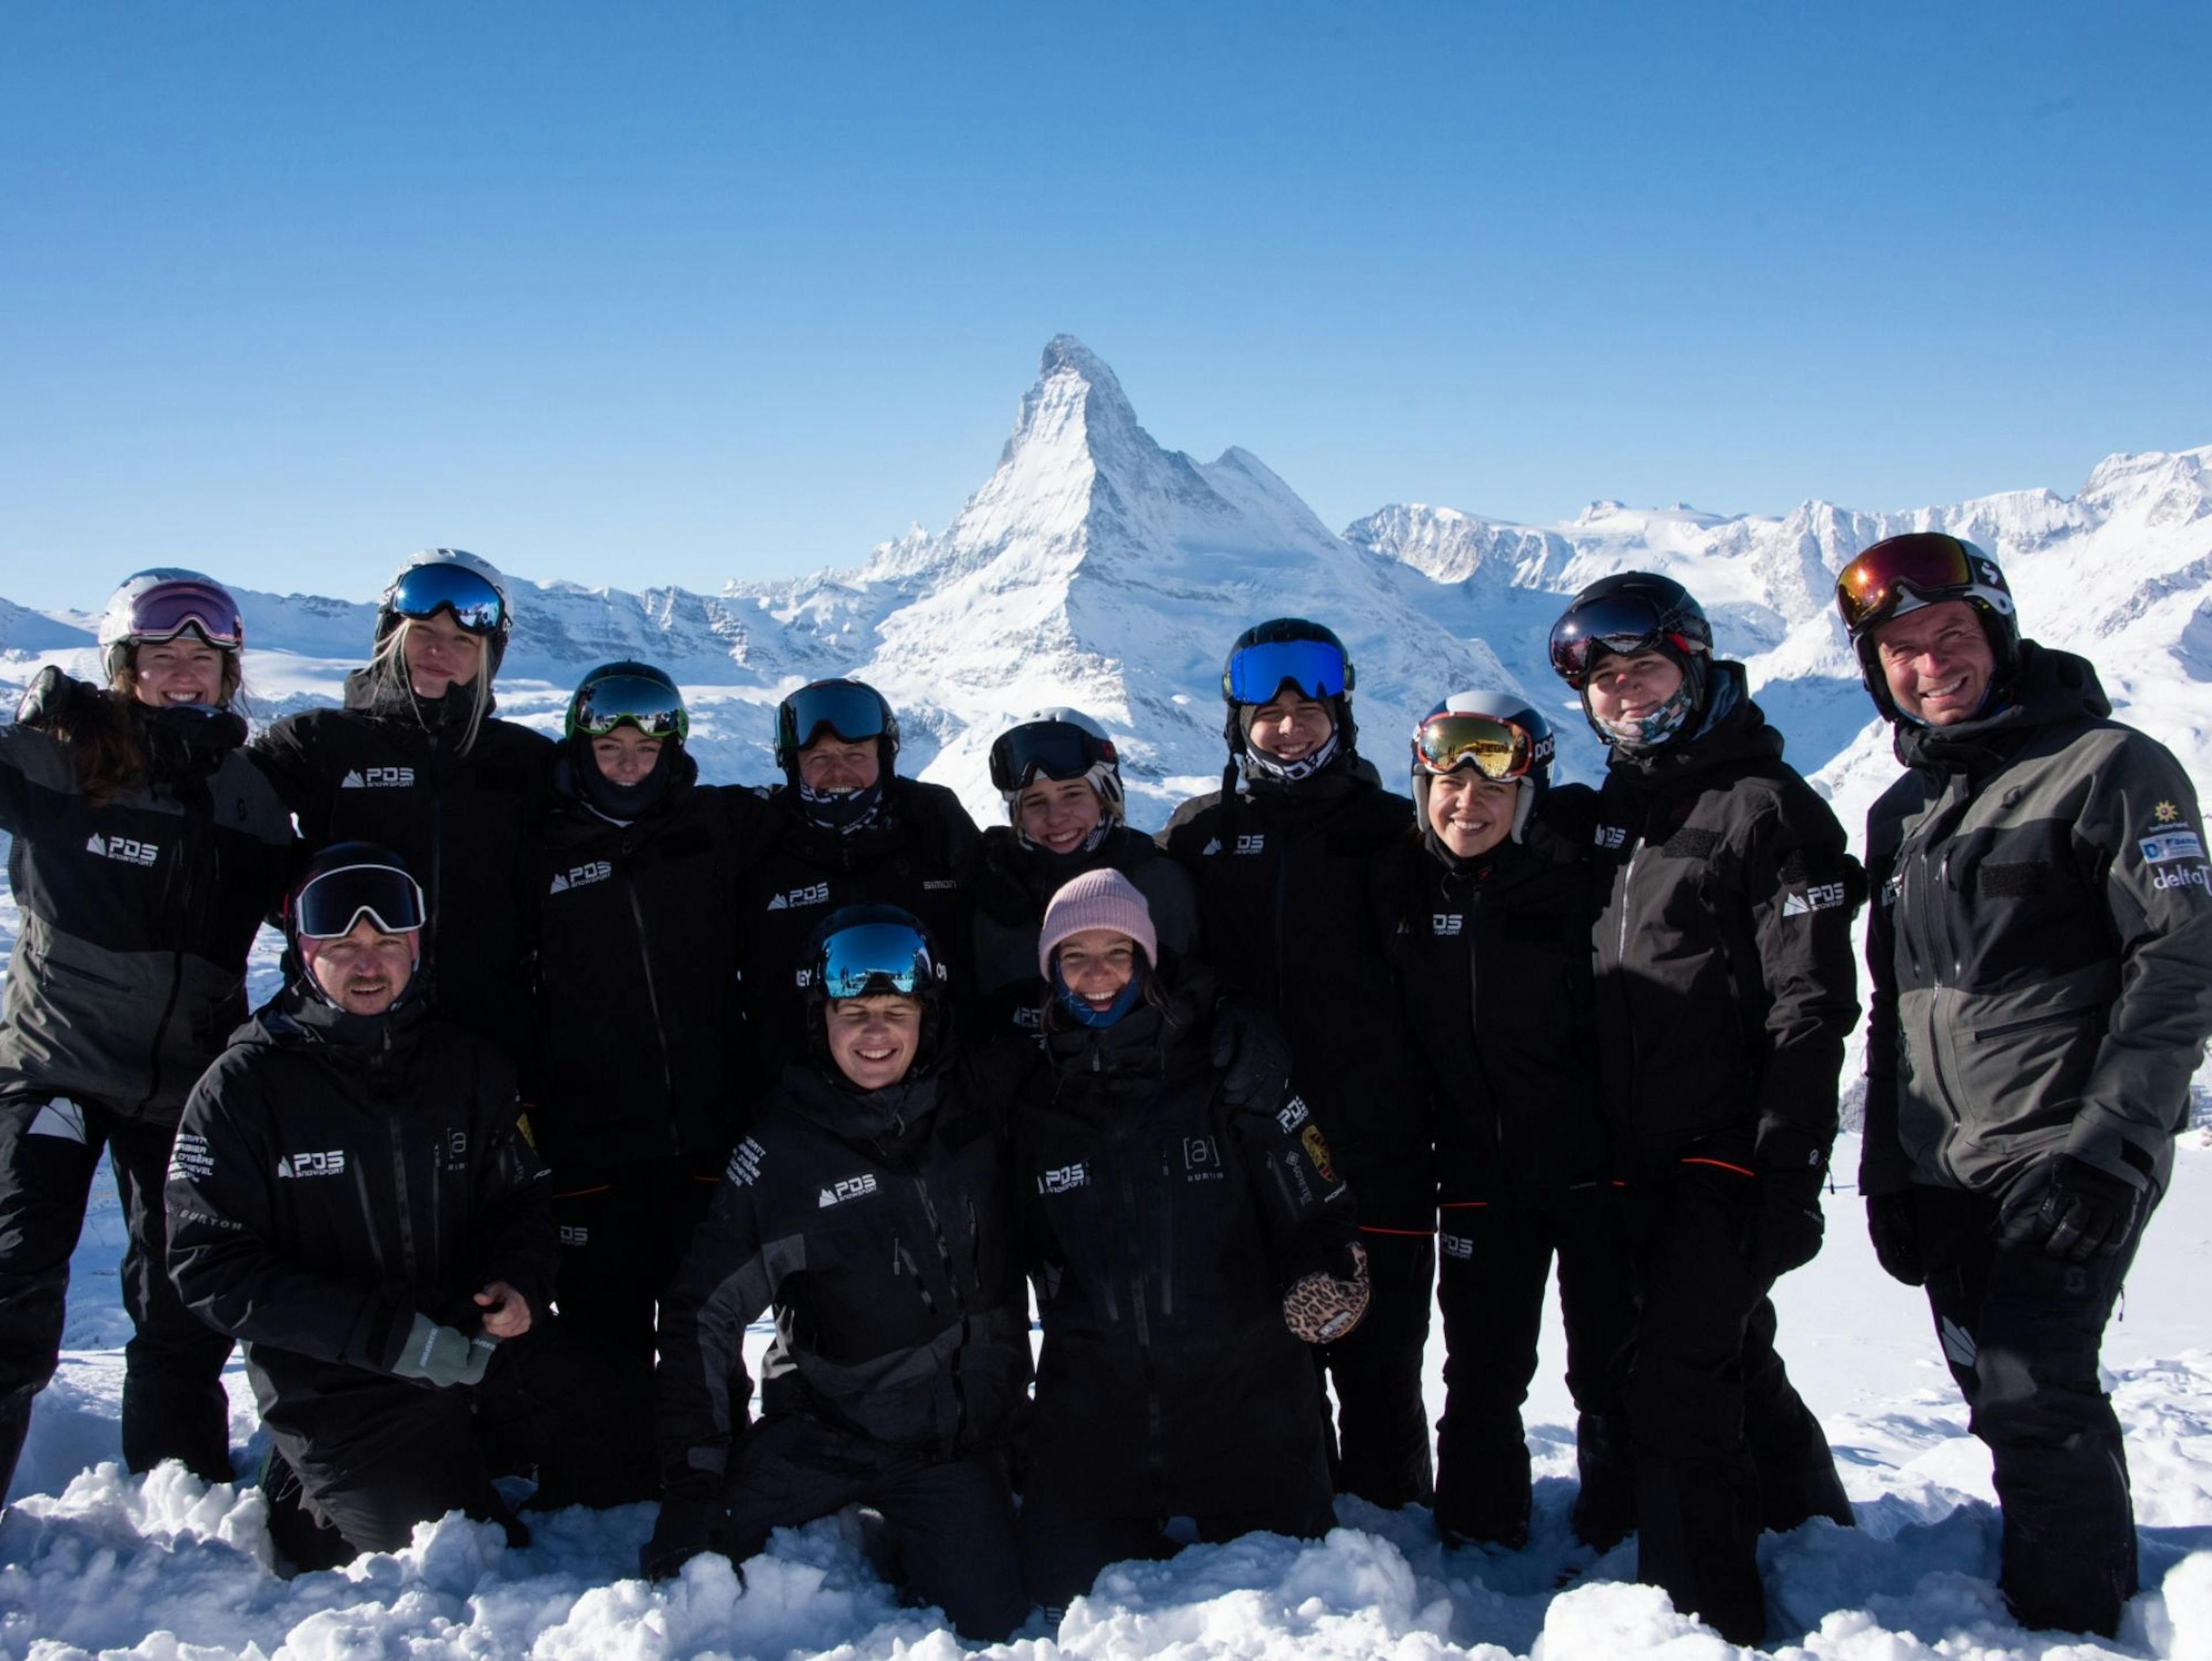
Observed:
{"x":851,"y":711}
{"x":1257,"y":673}
{"x":655,"y":710}
{"x":422,"y":591}
{"x":874,"y":958}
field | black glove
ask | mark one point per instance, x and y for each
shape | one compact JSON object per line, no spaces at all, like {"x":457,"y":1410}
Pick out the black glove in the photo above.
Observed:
{"x":686,"y":1529}
{"x":1896,"y":1236}
{"x":1787,"y":1235}
{"x":1256,"y":1062}
{"x":49,"y":698}
{"x":2087,"y":1213}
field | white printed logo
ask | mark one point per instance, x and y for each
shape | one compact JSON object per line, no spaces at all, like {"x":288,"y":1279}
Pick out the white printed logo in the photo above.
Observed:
{"x":1202,"y":1160}
{"x":745,"y":1165}
{"x":331,"y":1164}
{"x":2168,"y":847}
{"x":1611,"y":836}
{"x":1254,"y":842}
{"x":1212,"y":847}
{"x":2194,"y":877}
{"x":850,"y":1188}
{"x":378,"y":779}
{"x":1063,"y":1178}
{"x":575,"y":1235}
{"x":1820,"y":897}
{"x":1446,"y":923}
{"x":127,"y":850}
{"x":1292,"y":1115}
{"x":814,"y":894}
{"x":598,"y":872}
{"x":189,"y":1157}
{"x":1457,"y":1246}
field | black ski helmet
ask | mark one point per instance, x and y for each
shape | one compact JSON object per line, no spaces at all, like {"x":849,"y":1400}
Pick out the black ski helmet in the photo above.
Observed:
{"x":338,"y":886}
{"x":625,"y":692}
{"x":1901,"y":574}
{"x":1243,"y":669}
{"x":1534,"y":782}
{"x":861,"y":950}
{"x":852,"y":710}
{"x":1627,"y":613}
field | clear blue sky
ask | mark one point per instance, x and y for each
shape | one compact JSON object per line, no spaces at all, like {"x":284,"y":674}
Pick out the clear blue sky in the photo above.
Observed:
{"x":677,"y":292}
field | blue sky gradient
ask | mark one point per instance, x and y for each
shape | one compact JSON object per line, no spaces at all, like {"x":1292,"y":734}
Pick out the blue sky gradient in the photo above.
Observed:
{"x":691,"y":291}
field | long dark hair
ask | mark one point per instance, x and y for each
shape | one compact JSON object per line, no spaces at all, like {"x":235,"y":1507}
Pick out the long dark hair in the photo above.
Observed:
{"x":101,"y":730}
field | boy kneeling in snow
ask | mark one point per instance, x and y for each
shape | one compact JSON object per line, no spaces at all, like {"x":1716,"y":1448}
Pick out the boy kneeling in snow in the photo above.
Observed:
{"x":351,"y":1196}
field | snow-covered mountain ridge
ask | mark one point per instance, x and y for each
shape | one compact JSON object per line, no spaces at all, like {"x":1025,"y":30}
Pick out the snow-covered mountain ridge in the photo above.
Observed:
{"x":1095,"y":568}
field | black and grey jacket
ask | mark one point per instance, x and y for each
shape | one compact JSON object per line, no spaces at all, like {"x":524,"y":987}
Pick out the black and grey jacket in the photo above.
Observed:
{"x":1726,"y":980}
{"x":1015,"y":884}
{"x":335,"y":1176}
{"x":878,"y":1227}
{"x":2041,"y":944}
{"x":138,"y":912}
{"x":388,"y":768}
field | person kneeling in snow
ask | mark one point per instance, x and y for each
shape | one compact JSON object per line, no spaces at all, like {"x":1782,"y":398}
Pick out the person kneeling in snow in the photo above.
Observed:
{"x":1186,"y":1251}
{"x":869,"y":1208}
{"x":352,"y":1197}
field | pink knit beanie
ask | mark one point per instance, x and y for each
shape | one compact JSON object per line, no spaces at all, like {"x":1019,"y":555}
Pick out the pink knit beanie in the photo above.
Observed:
{"x":1096,"y":900}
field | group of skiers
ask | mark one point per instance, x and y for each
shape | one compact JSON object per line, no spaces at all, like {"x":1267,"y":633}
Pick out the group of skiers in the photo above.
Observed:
{"x":582,"y":1066}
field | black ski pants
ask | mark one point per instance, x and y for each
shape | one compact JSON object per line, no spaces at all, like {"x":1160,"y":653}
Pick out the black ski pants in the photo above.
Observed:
{"x":173,"y":1405}
{"x":1714,"y":1416}
{"x":1379,"y":1445}
{"x":1494,"y":1262}
{"x":949,"y":1523}
{"x":624,"y":1230}
{"x":2022,"y":1331}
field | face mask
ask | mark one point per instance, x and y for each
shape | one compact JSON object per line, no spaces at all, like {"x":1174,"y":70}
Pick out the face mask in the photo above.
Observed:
{"x":843,"y":811}
{"x":1124,"y":1001}
{"x":1258,"y":764}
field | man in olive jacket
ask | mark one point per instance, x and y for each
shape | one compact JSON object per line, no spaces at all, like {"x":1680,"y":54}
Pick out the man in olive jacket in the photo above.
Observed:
{"x":2041,"y":952}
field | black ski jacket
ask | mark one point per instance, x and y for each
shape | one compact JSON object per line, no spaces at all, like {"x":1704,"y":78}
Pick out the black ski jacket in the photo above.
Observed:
{"x":385,"y":769}
{"x":1491,"y":959}
{"x":1163,"y":1229}
{"x":1283,"y":879}
{"x":137,"y":913}
{"x":2041,"y":944}
{"x":1726,"y":983}
{"x":335,"y":1176}
{"x":878,"y":1227}
{"x":639,"y":1020}
{"x":919,"y":854}
{"x":1014,"y":886}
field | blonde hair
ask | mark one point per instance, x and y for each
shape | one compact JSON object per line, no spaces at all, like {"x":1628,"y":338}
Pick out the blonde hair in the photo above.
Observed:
{"x":389,"y":665}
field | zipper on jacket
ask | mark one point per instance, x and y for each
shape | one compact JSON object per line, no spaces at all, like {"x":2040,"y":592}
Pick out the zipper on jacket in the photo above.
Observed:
{"x":402,"y":1211}
{"x":652,"y":992}
{"x":180,"y":870}
{"x":1155,"y":1436}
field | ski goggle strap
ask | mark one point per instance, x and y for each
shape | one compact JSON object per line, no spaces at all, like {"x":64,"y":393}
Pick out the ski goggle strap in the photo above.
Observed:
{"x":1255,"y":674}
{"x":422,"y":591}
{"x":1052,"y":749}
{"x":1497,"y":749}
{"x":168,"y":609}
{"x":1926,"y":563}
{"x":851,"y":711}
{"x":330,"y":903}
{"x":655,"y":710}
{"x":872,"y":958}
{"x":1622,"y":624}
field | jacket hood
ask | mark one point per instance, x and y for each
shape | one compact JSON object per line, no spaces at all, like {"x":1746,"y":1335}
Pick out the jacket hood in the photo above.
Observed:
{"x":2048,"y":689}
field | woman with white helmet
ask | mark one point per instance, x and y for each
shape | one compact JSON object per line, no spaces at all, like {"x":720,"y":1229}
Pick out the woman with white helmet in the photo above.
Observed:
{"x":416,"y":762}
{"x":1060,"y":779}
{"x":147,"y":850}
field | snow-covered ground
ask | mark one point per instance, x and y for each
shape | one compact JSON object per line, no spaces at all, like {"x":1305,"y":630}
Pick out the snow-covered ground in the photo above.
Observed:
{"x":95,"y":1562}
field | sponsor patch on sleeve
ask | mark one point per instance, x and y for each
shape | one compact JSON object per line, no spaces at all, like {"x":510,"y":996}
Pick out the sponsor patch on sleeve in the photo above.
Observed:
{"x":2169,"y":847}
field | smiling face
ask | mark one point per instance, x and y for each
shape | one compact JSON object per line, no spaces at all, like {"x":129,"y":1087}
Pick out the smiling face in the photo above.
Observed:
{"x":1632,"y":688}
{"x":1937,"y":661}
{"x":1471,"y":814}
{"x":1095,"y":964}
{"x":625,"y":756}
{"x":1290,"y":726}
{"x":440,"y":654}
{"x":1057,"y":813}
{"x":185,"y":670}
{"x":365,"y":971}
{"x":832,"y":763}
{"x":873,"y":1040}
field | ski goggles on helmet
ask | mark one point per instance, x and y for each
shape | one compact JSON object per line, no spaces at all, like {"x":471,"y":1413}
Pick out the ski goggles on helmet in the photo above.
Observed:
{"x":1049,"y":749}
{"x":1625,"y":624}
{"x":422,"y":591}
{"x":653,"y":707}
{"x":1255,"y":674}
{"x":848,"y":709}
{"x":1925,"y":565}
{"x":872,"y":958}
{"x":166,"y":610}
{"x":329,"y":904}
{"x":1497,"y":749}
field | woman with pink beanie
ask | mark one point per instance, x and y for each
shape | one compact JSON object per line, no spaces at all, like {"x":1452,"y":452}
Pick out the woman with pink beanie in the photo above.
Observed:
{"x":1184,"y":1249}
